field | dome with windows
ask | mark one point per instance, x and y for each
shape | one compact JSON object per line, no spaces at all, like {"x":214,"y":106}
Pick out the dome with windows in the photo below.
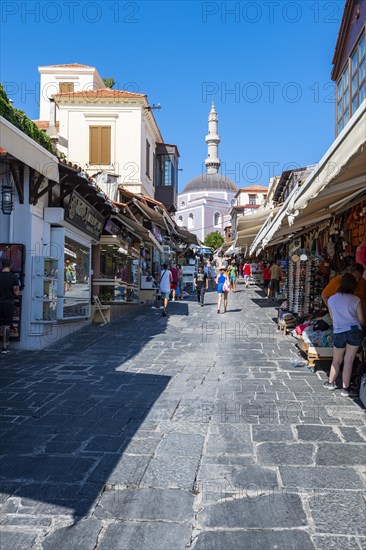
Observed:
{"x":210,"y":181}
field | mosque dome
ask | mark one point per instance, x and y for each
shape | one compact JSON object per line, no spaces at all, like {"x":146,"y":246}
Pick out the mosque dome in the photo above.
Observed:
{"x":210,"y":182}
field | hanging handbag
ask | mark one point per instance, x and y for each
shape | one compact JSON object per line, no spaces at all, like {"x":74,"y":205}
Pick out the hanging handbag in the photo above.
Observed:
{"x":226,"y":286}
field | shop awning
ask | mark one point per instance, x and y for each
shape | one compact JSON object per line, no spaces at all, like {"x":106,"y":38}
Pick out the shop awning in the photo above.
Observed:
{"x":338,"y":179}
{"x":139,"y":231}
{"x":248,"y":225}
{"x":233,"y":249}
{"x":188,"y":237}
{"x":25,"y":149}
{"x":155,"y":242}
{"x":150,"y":213}
{"x":134,"y":227}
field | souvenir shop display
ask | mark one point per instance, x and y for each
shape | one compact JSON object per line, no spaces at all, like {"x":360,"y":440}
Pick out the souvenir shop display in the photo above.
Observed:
{"x":304,"y":308}
{"x":304,"y":285}
{"x":314,"y":337}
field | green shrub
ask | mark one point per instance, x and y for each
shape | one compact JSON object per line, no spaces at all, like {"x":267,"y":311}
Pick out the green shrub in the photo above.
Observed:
{"x":20,"y":120}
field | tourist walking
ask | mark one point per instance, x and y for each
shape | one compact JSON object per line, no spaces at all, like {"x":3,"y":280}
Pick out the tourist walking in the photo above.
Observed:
{"x":247,"y":270}
{"x":233,"y":275}
{"x":9,"y":290}
{"x":200,"y":282}
{"x":276,"y":277}
{"x":346,"y":311}
{"x":180,"y":282}
{"x":223,"y":287}
{"x":266,"y":279}
{"x":212,"y":274}
{"x":165,"y":282}
{"x":174,"y":282}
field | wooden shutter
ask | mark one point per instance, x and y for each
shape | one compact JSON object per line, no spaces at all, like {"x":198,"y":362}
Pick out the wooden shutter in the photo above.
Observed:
{"x":66,"y":87}
{"x":147,"y":158}
{"x":105,"y":153}
{"x":100,"y":145}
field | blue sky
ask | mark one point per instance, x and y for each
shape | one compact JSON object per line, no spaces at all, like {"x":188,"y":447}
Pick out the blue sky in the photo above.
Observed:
{"x":266,"y":63}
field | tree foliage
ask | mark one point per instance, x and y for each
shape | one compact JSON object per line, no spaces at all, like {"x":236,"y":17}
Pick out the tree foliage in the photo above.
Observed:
{"x":21,"y":121}
{"x":214,"y":240}
{"x":109,"y":82}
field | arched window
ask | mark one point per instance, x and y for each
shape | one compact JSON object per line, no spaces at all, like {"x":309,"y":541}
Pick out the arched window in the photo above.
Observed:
{"x":182,"y":204}
{"x":233,"y":202}
{"x":217,"y":218}
{"x":180,"y":221}
{"x":190,"y":221}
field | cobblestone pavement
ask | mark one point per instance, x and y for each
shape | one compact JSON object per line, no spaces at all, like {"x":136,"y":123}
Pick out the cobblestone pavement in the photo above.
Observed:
{"x":191,"y":431}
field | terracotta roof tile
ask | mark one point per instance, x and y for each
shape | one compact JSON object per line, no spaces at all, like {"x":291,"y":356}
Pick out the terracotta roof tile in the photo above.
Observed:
{"x":44,"y":124}
{"x":72,"y":65}
{"x":259,"y":188}
{"x":244,"y":206}
{"x":100,"y":93}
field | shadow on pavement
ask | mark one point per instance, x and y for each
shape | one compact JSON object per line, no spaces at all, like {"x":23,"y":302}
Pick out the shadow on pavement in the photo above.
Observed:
{"x":176,"y":308}
{"x":69,"y":413}
{"x":264,"y":302}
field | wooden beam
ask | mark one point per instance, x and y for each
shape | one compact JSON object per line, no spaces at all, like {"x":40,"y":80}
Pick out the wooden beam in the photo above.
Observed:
{"x":19,"y":181}
{"x":34,"y":189}
{"x":63,"y":195}
{"x":50,"y":185}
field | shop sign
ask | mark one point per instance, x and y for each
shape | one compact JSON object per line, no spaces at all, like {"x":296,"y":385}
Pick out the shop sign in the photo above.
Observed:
{"x":84,"y":216}
{"x":112,"y":228}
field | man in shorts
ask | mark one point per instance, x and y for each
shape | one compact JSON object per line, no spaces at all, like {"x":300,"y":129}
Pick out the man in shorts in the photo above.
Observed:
{"x":174,"y":282}
{"x":233,"y":275}
{"x":276,"y":277}
{"x":247,"y":270}
{"x":9,"y":290}
{"x":200,"y":282}
{"x":165,"y":282}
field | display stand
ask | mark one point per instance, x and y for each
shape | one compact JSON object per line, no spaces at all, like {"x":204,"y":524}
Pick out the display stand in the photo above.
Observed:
{"x":100,"y":313}
{"x":314,"y":353}
{"x":44,"y":290}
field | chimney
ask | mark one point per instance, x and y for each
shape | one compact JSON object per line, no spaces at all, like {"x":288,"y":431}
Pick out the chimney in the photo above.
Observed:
{"x":51,"y":130}
{"x":52,"y":119}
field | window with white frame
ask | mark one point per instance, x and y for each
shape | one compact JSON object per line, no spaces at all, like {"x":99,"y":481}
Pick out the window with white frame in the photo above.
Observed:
{"x":182,"y":204}
{"x":252,"y":200}
{"x":180,"y":221}
{"x":351,"y":85}
{"x":190,"y":221}
{"x":217,"y":218}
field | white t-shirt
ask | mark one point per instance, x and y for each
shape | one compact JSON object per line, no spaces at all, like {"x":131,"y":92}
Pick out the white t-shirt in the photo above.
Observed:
{"x":165,"y":280}
{"x":344,"y":312}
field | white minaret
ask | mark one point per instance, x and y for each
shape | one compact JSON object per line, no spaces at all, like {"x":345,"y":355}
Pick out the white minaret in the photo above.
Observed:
{"x":212,"y":139}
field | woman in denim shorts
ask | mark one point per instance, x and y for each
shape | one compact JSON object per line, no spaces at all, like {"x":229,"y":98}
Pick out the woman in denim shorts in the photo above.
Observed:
{"x":346,"y":311}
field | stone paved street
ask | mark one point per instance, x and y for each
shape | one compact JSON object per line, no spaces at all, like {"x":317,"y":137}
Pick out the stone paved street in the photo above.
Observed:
{"x":191,"y":431}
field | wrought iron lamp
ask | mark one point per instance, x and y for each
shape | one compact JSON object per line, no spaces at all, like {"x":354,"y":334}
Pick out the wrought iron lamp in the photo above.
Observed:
{"x":7,"y":198}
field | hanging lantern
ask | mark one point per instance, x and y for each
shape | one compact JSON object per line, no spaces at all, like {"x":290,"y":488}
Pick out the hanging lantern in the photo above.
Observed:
{"x":7,"y":198}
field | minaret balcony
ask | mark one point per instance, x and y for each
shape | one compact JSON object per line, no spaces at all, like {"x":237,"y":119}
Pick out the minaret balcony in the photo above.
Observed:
{"x":214,"y":138}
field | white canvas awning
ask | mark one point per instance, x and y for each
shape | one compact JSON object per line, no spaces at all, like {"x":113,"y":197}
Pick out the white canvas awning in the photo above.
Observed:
{"x":248,"y":225}
{"x":25,"y":149}
{"x":338,"y":179}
